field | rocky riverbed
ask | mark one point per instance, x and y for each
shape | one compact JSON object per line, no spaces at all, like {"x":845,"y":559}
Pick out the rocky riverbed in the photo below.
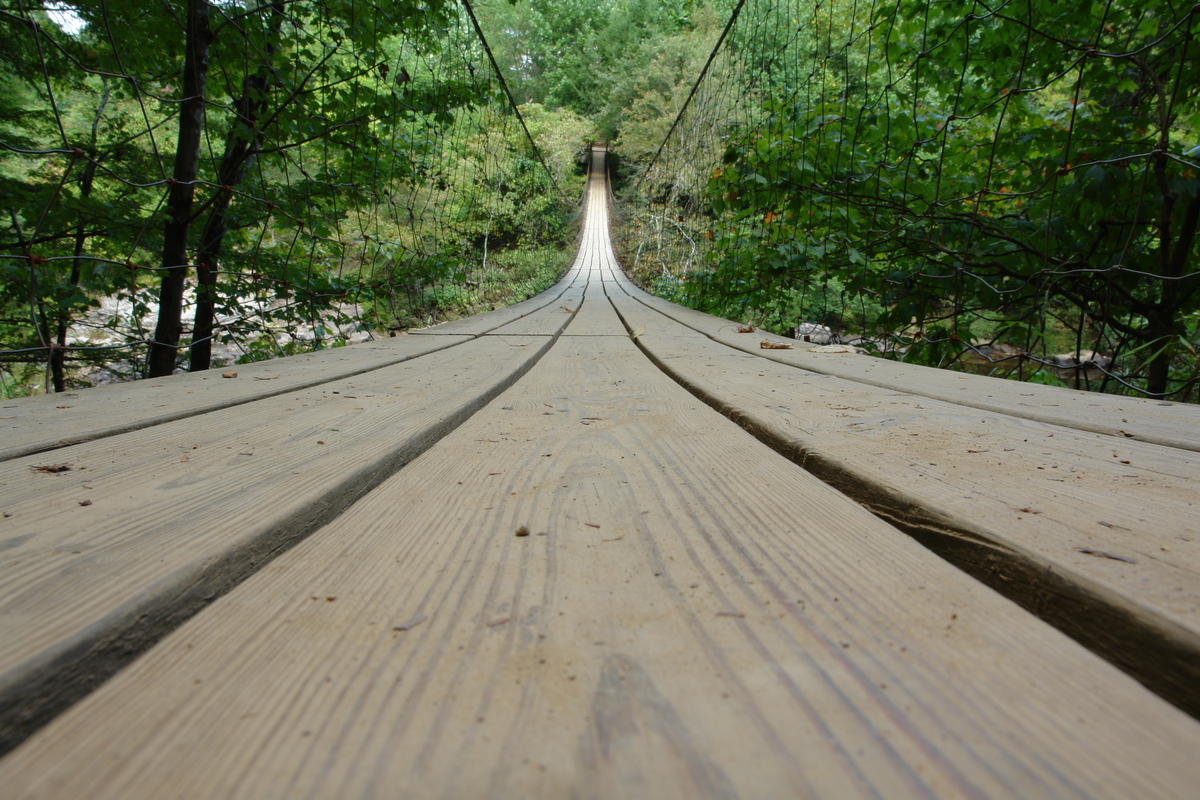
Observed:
{"x":108,"y":339}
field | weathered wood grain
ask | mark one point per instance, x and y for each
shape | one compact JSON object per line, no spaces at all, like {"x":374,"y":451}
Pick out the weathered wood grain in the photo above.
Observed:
{"x":1100,"y":537}
{"x":690,"y":615}
{"x":1165,"y":423}
{"x":36,"y":424}
{"x":707,"y":324}
{"x":146,"y":527}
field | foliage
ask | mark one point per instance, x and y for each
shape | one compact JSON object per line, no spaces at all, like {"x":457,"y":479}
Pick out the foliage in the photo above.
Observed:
{"x":570,"y":53}
{"x":340,"y":157}
{"x":959,"y":171}
{"x":511,"y":275}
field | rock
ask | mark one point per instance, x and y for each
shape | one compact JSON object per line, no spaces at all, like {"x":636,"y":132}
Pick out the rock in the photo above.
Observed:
{"x":1087,"y":364}
{"x":812,"y":332}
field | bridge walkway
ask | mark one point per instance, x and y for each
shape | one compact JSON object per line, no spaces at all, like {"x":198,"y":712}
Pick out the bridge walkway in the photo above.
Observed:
{"x":597,"y":545}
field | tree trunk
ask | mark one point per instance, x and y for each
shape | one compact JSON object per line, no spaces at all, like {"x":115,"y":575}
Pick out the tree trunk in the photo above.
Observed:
{"x":182,"y":191}
{"x":1159,"y":372}
{"x":242,"y":144}
{"x":58,"y":354}
{"x":1175,"y":293}
{"x":207,"y":266}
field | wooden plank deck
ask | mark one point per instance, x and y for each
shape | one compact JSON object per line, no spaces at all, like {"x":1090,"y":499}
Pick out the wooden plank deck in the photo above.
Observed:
{"x":596,"y":585}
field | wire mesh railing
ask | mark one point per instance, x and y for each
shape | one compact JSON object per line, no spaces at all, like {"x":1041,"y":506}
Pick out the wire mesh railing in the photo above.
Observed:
{"x":1008,"y":187}
{"x":256,"y":176}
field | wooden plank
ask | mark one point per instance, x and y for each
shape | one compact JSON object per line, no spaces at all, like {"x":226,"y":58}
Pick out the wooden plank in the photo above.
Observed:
{"x":1160,"y":422}
{"x":148,"y":526}
{"x":597,"y":261}
{"x":36,"y":424}
{"x":1100,"y":537}
{"x":690,"y":615}
{"x":597,"y":316}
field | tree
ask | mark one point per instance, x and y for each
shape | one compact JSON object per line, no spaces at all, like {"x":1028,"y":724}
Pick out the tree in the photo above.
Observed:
{"x":64,"y":132}
{"x":987,"y":170}
{"x":242,"y":144}
{"x":282,"y":157}
{"x":197,"y":39}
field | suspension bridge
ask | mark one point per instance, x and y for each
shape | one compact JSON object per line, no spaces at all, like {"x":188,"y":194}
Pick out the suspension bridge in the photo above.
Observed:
{"x":596,"y":544}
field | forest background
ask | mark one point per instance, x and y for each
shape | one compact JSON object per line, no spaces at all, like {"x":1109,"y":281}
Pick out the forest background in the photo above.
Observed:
{"x":951,"y":183}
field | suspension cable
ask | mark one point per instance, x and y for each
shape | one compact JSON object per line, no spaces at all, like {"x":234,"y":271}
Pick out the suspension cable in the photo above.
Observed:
{"x":512,"y":101}
{"x":695,"y":87}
